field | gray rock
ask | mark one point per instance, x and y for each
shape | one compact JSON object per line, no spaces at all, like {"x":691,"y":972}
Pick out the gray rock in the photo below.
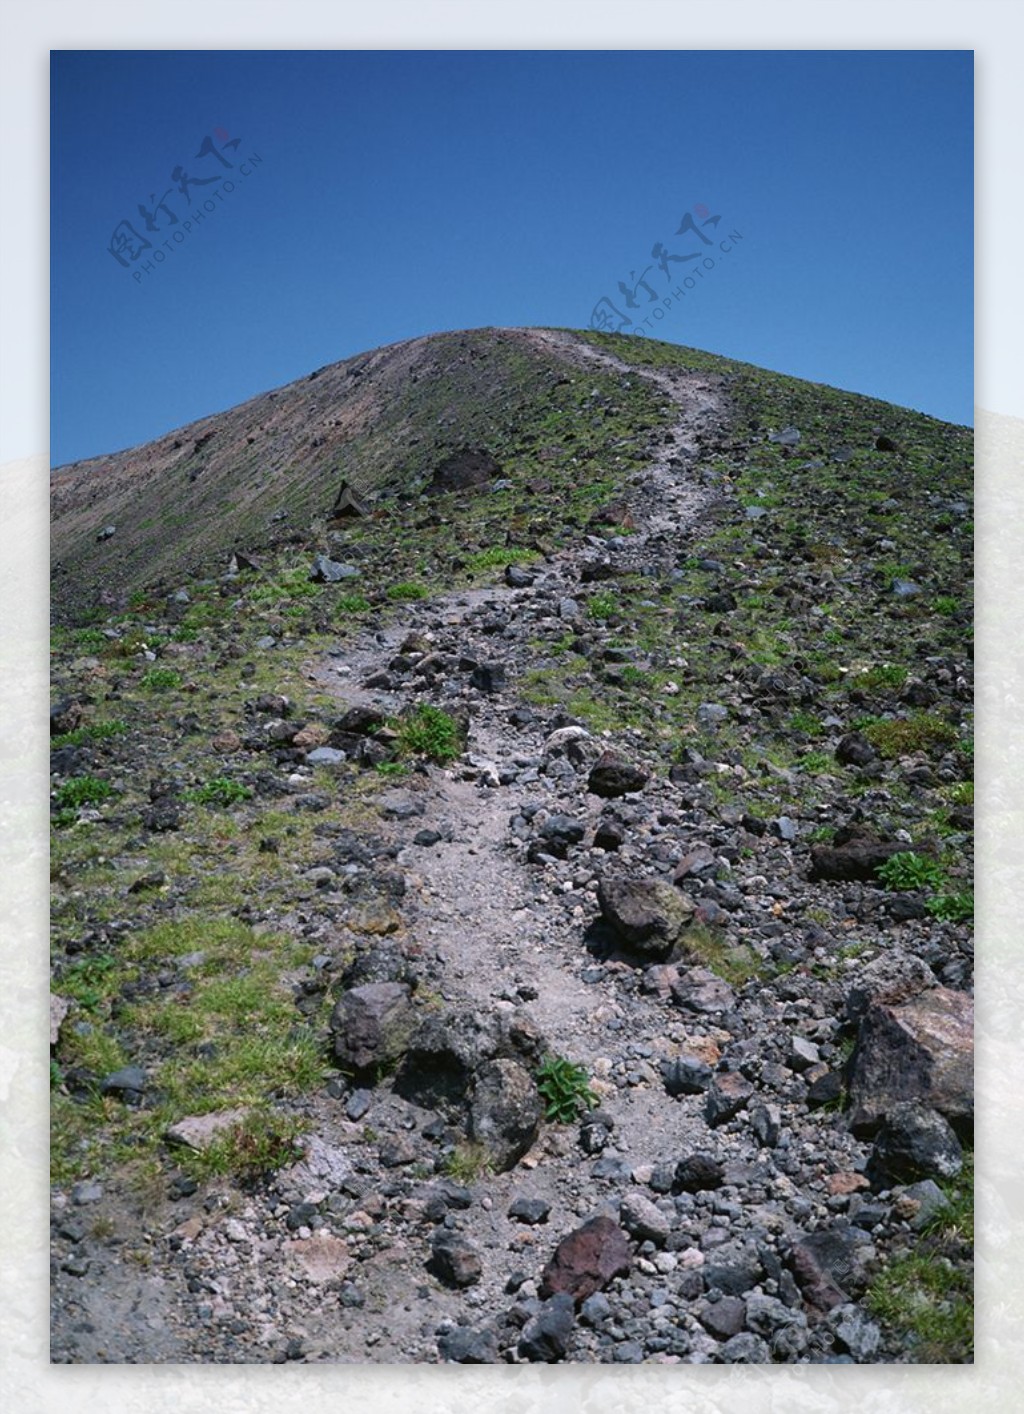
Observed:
{"x":107,"y":532}
{"x":529,"y":1210}
{"x":505,"y":1111}
{"x":373,"y":1025}
{"x":766,"y":1123}
{"x":745,"y":1349}
{"x":546,"y":1336}
{"x":711,"y":714}
{"x":923,"y":1051}
{"x":463,"y":1346}
{"x":854,"y":1331}
{"x":595,"y":1309}
{"x":648,"y":914}
{"x":643,"y":1219}
{"x":700,"y":990}
{"x":913,"y":1143}
{"x":802,"y":1054}
{"x":327,"y":571}
{"x":723,"y":1318}
{"x":927,"y":1198}
{"x":686,"y":1075}
{"x":728,"y":1092}
{"x":454,"y":1259}
{"x":733,"y":1267}
{"x":788,"y":437}
{"x":126,"y":1084}
{"x":325,"y":756}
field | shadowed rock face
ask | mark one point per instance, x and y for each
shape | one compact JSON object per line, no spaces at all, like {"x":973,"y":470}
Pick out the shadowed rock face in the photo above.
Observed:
{"x":466,"y":469}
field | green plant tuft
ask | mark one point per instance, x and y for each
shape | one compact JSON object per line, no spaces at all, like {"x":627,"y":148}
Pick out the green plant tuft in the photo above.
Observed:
{"x":565,"y":1089}
{"x":430,"y":732}
{"x":908,"y":870}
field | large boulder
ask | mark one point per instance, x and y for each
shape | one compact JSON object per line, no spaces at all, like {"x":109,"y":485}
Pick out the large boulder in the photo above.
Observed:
{"x":647,"y":914}
{"x":373,"y":1025}
{"x":920,"y":1050}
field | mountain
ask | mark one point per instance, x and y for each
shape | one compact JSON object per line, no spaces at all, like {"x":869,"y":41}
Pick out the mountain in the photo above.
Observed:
{"x":512,"y":845}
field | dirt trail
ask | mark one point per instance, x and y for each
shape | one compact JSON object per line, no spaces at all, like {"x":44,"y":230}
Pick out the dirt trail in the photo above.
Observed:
{"x":479,"y":904}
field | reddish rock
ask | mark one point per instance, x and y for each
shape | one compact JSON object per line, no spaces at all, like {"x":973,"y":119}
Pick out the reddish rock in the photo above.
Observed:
{"x":921,"y":1050}
{"x":587,"y":1260}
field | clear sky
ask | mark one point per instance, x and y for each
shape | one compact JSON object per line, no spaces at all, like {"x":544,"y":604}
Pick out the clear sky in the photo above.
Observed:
{"x":383,"y":195}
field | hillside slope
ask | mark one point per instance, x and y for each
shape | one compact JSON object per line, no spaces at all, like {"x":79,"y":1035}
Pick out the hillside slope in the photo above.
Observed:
{"x":554,"y":891}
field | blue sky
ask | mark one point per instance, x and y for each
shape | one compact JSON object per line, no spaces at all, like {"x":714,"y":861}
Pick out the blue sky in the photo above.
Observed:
{"x":399,"y":194}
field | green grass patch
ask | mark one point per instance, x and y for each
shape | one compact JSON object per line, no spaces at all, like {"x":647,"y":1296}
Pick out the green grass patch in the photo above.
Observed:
{"x":430,"y":732}
{"x":407,"y":592}
{"x":902,"y":736}
{"x":78,"y":791}
{"x":219,"y":790}
{"x":160,"y":680}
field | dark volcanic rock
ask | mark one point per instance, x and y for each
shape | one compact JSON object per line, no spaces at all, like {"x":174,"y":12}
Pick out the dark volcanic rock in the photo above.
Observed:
{"x":612,"y":776}
{"x":858,"y":859}
{"x":454,"y":1259}
{"x":855,"y":750}
{"x":727,"y":1095}
{"x":648,"y":914}
{"x":698,"y":1173}
{"x":922,"y":1050}
{"x":465,"y":469}
{"x":587,"y":1260}
{"x":546,"y":1336}
{"x":686,"y":1075}
{"x":464,"y":1346}
{"x":914,"y":1143}
{"x":373,"y":1025}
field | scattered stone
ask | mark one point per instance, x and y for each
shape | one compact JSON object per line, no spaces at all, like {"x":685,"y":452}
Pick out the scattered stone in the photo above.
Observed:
{"x":505,"y":1111}
{"x":697,"y":1173}
{"x":546,"y":1335}
{"x":686,"y":1075}
{"x":766,"y":1123}
{"x":612,"y":776}
{"x":489,"y":677}
{"x":464,"y":1346}
{"x":199,"y":1131}
{"x":857,"y":859}
{"x":855,"y":750}
{"x":822,"y":1262}
{"x":853,"y":1331}
{"x":728,"y":1092}
{"x":126,"y":1084}
{"x":529,"y":1210}
{"x":723,"y":1318}
{"x":643,"y":1219}
{"x":454,"y":1259}
{"x":703,"y":991}
{"x":59,"y":1008}
{"x":327,"y":571}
